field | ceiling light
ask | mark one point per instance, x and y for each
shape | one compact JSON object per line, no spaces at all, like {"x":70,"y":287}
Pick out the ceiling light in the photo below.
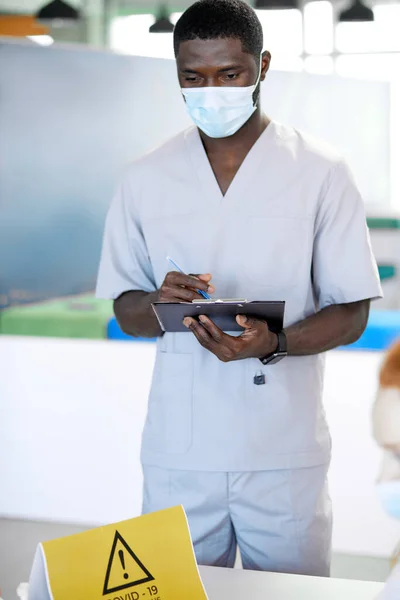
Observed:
{"x":276,"y":4}
{"x":162,"y":24}
{"x":357,"y":12}
{"x":57,"y":10}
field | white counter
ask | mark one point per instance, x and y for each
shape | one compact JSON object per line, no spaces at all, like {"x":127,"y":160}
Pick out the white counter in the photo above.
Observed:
{"x":236,"y":584}
{"x":71,"y":416}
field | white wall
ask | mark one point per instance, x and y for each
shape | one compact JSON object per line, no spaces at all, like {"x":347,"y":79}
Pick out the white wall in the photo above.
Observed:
{"x":71,"y":415}
{"x":72,"y":119}
{"x":336,"y":110}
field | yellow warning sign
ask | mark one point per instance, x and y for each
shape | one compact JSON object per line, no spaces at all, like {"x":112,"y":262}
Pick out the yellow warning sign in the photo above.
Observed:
{"x":124,"y":568}
{"x":147,"y":558}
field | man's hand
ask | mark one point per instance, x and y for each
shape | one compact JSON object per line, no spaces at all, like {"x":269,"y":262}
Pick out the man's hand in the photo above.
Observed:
{"x":183,"y":288}
{"x":255,"y":342}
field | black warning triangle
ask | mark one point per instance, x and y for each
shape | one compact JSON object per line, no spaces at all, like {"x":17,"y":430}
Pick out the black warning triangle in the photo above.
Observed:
{"x":124,"y":568}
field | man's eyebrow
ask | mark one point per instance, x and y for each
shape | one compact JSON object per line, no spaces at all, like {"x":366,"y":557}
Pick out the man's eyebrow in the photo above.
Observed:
{"x":230,"y":68}
{"x":222,"y":70}
{"x":191,"y":71}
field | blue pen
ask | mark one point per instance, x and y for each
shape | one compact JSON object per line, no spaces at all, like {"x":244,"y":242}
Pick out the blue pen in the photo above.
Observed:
{"x":177,"y":267}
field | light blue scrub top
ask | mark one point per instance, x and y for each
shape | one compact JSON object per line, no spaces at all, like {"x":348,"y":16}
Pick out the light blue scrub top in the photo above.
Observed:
{"x":291,"y":227}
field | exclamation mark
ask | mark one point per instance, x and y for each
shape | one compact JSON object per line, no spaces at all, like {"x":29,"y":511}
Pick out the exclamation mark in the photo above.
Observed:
{"x":122,"y":559}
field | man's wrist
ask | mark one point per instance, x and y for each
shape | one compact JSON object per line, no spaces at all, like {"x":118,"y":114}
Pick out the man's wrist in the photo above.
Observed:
{"x":273,"y":345}
{"x":278,"y":353}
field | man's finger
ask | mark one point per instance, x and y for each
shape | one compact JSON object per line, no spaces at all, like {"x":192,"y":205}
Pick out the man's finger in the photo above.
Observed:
{"x":248,"y":322}
{"x":170,"y":293}
{"x":212,"y":329}
{"x":201,"y":334}
{"x":176,"y":278}
{"x":206,"y":278}
{"x":203,"y":276}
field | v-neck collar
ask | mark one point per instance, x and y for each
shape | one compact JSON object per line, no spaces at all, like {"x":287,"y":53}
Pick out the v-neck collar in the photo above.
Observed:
{"x":247,"y":170}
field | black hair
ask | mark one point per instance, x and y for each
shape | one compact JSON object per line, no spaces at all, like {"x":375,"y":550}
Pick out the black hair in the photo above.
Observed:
{"x":216,"y":19}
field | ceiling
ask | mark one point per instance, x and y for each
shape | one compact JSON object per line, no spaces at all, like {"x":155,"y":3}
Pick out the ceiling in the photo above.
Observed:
{"x":31,"y":6}
{"x":92,"y":7}
{"x":91,"y":30}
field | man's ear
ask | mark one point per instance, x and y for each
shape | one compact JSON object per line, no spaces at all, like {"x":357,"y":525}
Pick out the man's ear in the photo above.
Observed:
{"x":266,"y":61}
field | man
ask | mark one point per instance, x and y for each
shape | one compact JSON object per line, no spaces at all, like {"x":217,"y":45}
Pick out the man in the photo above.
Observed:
{"x":265,"y":213}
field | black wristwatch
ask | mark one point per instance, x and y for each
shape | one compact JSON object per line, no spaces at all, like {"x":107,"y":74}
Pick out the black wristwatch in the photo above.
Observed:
{"x":280,"y":352}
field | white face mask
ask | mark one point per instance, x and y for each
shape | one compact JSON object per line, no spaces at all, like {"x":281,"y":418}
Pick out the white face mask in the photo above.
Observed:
{"x":389,"y":494}
{"x":221,"y":111}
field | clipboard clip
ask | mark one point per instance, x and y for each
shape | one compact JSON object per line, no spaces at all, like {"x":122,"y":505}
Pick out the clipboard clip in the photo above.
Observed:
{"x":221,"y":301}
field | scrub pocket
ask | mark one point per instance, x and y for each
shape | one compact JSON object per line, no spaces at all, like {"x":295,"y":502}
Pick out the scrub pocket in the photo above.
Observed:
{"x":168,"y":426}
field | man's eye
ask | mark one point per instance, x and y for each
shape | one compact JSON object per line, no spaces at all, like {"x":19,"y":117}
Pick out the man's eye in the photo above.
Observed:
{"x":231,"y":76}
{"x":191,"y":79}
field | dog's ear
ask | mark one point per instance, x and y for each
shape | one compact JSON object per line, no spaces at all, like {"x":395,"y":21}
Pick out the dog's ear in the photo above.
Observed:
{"x":386,"y":410}
{"x":390,"y":371}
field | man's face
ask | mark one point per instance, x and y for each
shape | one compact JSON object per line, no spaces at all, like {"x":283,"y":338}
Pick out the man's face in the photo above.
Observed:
{"x":216,"y":63}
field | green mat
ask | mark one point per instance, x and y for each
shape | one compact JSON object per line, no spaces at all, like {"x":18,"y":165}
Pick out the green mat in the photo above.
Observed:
{"x":383,"y":223}
{"x":73,"y":317}
{"x":386,"y":271}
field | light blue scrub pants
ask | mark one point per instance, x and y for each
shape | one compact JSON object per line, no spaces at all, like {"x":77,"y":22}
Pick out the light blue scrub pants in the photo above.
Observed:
{"x":280,"y":520}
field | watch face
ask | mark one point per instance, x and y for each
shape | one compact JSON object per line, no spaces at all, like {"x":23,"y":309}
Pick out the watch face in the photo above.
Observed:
{"x":275,"y":358}
{"x":279,"y":357}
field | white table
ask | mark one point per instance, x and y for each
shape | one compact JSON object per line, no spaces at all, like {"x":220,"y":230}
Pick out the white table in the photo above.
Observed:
{"x":236,"y":584}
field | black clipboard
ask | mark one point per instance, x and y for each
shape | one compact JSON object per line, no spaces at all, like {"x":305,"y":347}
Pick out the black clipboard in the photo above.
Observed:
{"x":170,"y":315}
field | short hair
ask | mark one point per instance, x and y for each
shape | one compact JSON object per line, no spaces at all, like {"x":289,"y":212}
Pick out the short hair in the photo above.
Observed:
{"x":221,"y":19}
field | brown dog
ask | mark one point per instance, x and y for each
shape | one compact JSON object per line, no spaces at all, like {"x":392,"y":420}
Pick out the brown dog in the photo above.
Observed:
{"x":386,"y":419}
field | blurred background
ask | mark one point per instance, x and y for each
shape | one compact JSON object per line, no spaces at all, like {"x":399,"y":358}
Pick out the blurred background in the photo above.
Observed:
{"x":86,"y":87}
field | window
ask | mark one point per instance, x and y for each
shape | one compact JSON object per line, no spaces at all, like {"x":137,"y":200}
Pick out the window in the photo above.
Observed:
{"x":130,"y":35}
{"x":318,"y":28}
{"x":283,"y":32}
{"x":379,"y":36}
{"x":380,"y":66}
{"x":287,"y":34}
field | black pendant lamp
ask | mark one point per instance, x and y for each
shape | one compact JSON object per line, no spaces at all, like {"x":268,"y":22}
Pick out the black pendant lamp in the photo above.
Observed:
{"x":276,"y":4}
{"x":57,"y":10}
{"x":162,"y":24}
{"x":357,"y":12}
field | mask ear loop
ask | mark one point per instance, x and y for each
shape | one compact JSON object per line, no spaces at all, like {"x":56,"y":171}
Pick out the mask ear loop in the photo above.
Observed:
{"x":258,"y":81}
{"x":260,"y":69}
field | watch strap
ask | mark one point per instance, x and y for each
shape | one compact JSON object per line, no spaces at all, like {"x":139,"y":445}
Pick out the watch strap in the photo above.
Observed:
{"x":280,"y":352}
